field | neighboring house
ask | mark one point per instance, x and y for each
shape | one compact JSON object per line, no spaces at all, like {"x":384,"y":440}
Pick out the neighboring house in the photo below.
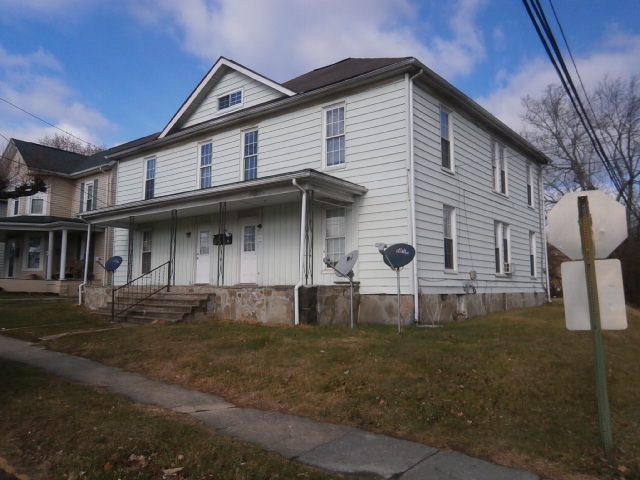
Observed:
{"x":252,"y":183}
{"x":42,"y":242}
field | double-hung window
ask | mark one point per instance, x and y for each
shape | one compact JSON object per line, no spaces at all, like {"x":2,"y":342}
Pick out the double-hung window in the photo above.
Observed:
{"x":206,"y":160}
{"x":34,"y":251}
{"x":16,"y":206}
{"x":334,"y":136}
{"x":449,"y":235}
{"x":503,"y":248}
{"x":150,"y":178}
{"x":335,"y":234}
{"x":532,"y":254}
{"x":250,"y":155}
{"x":230,"y":100}
{"x":445,"y":140}
{"x":529,"y":185}
{"x":499,"y":167}
{"x":37,"y":206}
{"x":88,"y":195}
{"x":146,"y":251}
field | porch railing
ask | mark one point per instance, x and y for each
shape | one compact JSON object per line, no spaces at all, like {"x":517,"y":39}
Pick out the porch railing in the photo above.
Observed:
{"x":126,"y":296}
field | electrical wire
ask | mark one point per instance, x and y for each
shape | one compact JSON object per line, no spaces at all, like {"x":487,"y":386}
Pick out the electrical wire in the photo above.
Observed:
{"x":546,"y":35}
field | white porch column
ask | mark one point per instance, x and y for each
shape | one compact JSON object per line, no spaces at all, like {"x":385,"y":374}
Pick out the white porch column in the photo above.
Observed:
{"x":63,"y":254}
{"x":49,"y":273}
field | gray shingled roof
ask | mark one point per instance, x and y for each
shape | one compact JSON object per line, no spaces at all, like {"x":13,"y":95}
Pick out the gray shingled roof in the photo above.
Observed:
{"x":338,"y":72}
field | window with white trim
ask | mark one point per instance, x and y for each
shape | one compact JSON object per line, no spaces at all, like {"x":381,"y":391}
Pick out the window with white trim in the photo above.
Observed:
{"x":503,"y":248}
{"x":334,"y":136}
{"x":449,"y":237}
{"x":250,"y":155}
{"x":335,"y":234}
{"x":445,"y":140}
{"x":150,"y":178}
{"x":530,"y":185}
{"x":88,"y":196}
{"x":229,"y":100}
{"x":37,"y":206}
{"x":499,"y":167}
{"x":34,"y":253}
{"x":533,"y":245}
{"x":206,"y":159}
{"x":146,"y":251}
{"x":16,"y":207}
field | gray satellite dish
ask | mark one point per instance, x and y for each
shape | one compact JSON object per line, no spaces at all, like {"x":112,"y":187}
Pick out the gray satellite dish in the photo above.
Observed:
{"x":344,"y":267}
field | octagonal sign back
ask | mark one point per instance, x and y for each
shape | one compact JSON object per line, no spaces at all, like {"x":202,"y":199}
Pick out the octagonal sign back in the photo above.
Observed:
{"x":608,"y":219}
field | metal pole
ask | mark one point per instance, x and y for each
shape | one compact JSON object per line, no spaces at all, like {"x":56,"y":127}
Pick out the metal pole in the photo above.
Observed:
{"x":604,"y":416}
{"x":399,"y":316}
{"x":351,"y":301}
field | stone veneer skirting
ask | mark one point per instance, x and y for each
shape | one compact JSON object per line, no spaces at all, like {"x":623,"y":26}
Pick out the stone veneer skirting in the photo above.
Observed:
{"x":326,"y":305}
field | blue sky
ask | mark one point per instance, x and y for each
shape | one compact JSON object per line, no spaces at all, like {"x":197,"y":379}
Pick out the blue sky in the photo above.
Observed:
{"x":111,"y":71}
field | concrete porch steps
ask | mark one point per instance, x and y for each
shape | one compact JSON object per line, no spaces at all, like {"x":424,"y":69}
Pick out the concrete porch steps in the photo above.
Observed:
{"x":164,"y":307}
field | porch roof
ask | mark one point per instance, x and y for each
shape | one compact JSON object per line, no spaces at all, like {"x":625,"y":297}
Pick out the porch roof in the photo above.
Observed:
{"x":248,"y":194}
{"x":41,"y":223}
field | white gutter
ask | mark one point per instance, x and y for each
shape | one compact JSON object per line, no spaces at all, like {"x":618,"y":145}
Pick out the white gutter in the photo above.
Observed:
{"x":412,"y":199}
{"x":303,"y":222}
{"x":86,"y":266}
{"x":543,"y":235}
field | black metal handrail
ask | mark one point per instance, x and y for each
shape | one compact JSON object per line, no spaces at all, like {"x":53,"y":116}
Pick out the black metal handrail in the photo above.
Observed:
{"x":126,"y":296}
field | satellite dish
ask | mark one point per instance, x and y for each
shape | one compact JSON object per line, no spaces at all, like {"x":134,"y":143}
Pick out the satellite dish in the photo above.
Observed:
{"x":398,"y":255}
{"x":345,"y":265}
{"x":112,"y":264}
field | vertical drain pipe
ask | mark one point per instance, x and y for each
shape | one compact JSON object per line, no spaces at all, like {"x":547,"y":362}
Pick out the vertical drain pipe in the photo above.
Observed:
{"x":303,"y":222}
{"x":86,"y":266}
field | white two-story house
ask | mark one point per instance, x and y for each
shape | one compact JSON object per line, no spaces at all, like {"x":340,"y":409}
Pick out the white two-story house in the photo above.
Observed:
{"x":252,"y":183}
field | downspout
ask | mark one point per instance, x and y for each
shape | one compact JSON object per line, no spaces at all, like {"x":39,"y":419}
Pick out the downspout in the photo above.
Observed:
{"x":303,"y":222}
{"x":543,"y":235}
{"x":412,"y":200}
{"x":86,"y":266}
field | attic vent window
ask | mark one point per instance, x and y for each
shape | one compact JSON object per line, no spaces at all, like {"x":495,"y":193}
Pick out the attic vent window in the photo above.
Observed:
{"x":227,"y":101}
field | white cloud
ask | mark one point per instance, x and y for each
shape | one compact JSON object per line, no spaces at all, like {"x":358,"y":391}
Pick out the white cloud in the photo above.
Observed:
{"x":282,"y":38}
{"x":616,"y":57}
{"x":34,"y":95}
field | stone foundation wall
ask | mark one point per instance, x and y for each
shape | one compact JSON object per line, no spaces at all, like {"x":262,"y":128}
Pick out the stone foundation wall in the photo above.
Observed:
{"x":329,"y":305}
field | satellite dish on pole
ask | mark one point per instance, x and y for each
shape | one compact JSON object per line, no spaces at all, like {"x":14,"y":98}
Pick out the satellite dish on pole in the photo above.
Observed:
{"x":112,"y":264}
{"x":397,"y":256}
{"x":344,"y":268}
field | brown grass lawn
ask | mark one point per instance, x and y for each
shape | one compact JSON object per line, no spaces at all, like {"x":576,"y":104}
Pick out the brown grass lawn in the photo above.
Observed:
{"x":515,"y":388}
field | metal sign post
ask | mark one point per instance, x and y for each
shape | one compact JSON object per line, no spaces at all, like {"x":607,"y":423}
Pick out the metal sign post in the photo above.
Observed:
{"x":604,"y":416}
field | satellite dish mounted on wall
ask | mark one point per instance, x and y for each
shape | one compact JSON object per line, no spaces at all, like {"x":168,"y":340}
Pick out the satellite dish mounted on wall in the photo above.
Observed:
{"x":344,"y":268}
{"x":112,"y":264}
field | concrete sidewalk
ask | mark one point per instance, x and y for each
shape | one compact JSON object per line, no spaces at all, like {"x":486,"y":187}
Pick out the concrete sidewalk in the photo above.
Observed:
{"x":334,"y":448}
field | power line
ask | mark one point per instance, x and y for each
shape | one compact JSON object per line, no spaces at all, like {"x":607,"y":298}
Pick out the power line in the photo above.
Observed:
{"x":45,"y":122}
{"x":546,"y":35}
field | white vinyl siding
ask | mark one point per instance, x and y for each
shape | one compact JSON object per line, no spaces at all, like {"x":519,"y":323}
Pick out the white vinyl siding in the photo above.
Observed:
{"x":471,"y":193}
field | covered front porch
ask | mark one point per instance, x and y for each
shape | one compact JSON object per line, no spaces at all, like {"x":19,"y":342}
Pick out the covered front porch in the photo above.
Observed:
{"x":44,"y":254}
{"x":245,"y":235}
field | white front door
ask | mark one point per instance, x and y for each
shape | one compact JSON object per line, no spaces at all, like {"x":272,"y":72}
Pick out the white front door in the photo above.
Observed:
{"x":248,"y":254}
{"x":202,"y":256}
